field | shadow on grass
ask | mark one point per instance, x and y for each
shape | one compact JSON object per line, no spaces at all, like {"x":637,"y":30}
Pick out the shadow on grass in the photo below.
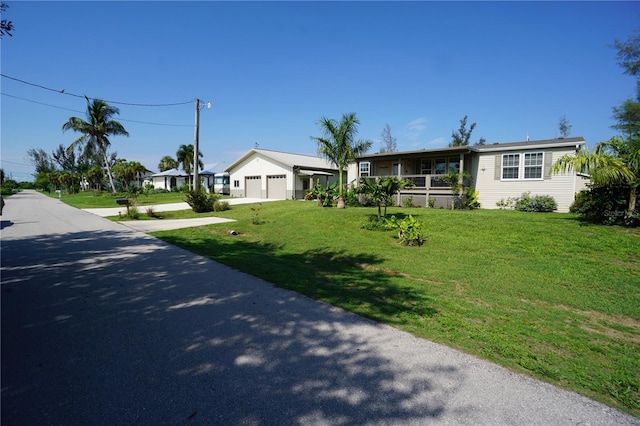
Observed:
{"x":352,"y":282}
{"x":121,"y":328}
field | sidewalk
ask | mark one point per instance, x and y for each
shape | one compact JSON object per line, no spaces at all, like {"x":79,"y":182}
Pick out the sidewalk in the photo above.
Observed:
{"x":170,"y":224}
{"x":113,"y":211}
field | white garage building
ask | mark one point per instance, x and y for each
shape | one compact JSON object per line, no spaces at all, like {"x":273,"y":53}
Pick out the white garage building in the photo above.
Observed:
{"x":261,"y":173}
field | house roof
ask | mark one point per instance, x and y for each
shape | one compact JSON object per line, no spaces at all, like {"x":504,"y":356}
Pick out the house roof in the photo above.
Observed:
{"x":537,"y":144}
{"x":447,"y":150}
{"x":288,"y":159}
{"x":172,"y":172}
{"x":545,"y":143}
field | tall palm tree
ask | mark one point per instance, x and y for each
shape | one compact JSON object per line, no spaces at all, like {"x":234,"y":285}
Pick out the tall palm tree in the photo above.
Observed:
{"x":616,"y":161}
{"x":167,"y":163}
{"x":338,"y":144}
{"x":96,"y":130}
{"x":185,"y":158}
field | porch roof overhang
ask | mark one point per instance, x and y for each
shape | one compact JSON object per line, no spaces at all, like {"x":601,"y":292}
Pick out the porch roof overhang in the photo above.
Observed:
{"x":307,"y":172}
{"x":416,"y":153}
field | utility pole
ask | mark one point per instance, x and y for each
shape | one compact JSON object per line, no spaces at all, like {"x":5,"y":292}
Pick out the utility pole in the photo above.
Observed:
{"x":196,"y":140}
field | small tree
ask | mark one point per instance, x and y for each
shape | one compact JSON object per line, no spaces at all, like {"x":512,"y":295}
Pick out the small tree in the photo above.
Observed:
{"x":462,"y":136}
{"x":388,"y":141}
{"x":564,"y":127}
{"x":381,"y":190}
{"x":338,"y":143}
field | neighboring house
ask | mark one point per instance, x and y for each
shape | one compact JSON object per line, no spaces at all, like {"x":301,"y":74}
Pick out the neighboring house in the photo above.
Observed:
{"x":169,"y":179}
{"x":175,"y":178}
{"x":498,"y":171}
{"x":261,"y":173}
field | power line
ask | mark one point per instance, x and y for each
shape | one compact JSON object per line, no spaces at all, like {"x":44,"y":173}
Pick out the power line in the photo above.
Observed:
{"x":61,"y":91}
{"x":82,"y":112}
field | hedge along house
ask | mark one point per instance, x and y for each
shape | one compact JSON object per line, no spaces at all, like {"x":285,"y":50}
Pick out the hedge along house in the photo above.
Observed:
{"x":497,"y":171}
{"x":262,"y":173}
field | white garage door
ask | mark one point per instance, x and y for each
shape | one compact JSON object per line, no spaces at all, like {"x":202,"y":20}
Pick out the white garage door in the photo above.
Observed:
{"x":277,"y":187}
{"x":253,"y":186}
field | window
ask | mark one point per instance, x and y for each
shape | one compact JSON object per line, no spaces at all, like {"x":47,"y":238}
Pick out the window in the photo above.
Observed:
{"x":533,"y":166}
{"x":441,"y":166}
{"x":426,"y":167}
{"x":510,"y":166}
{"x":521,"y":166}
{"x":236,"y":184}
{"x":365,"y":168}
{"x":455,"y":163}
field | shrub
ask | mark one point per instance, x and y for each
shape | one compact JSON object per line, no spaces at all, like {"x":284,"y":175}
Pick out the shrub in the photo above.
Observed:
{"x":255,"y":214}
{"x":201,"y":201}
{"x":409,"y":230}
{"x":604,"y":204}
{"x":509,"y":203}
{"x":431,"y":202}
{"x":351,"y":198}
{"x":220,"y":206}
{"x":536,"y":203}
{"x":408,"y":202}
{"x":471,"y":199}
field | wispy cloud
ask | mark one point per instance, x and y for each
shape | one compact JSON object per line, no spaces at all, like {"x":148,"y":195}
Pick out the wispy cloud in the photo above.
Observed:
{"x":438,"y":142}
{"x":414,"y":129}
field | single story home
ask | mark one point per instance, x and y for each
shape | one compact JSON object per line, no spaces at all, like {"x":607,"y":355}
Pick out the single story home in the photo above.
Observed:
{"x":262,"y":173}
{"x":498,"y":171}
{"x":175,"y":178}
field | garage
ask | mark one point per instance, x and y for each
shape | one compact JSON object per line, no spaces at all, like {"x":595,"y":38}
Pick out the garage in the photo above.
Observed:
{"x":277,"y":187}
{"x":253,"y":186}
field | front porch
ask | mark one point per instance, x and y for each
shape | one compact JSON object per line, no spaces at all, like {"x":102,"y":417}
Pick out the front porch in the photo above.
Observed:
{"x":424,"y":168}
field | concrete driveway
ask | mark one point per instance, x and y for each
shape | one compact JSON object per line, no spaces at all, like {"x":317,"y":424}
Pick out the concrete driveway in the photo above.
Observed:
{"x":105,"y":325}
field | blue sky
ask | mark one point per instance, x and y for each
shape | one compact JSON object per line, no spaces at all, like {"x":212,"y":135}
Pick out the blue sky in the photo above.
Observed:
{"x":272,"y":69}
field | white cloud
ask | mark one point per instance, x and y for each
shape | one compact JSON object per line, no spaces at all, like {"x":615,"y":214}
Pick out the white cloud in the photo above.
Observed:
{"x":438,"y":142}
{"x":414,"y":129}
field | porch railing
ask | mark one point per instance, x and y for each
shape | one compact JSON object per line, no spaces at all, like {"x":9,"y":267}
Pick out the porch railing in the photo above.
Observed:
{"x":422,"y":181}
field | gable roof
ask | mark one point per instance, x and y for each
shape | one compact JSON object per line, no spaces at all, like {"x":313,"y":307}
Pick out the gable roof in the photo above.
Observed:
{"x":288,"y":159}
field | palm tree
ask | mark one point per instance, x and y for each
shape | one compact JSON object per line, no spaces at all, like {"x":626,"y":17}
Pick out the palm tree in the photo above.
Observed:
{"x":167,"y":163}
{"x":338,"y":144}
{"x":96,"y":130}
{"x":616,"y":161}
{"x":185,"y":158}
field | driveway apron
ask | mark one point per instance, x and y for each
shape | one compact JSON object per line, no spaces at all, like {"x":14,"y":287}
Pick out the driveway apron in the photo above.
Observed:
{"x":105,"y":325}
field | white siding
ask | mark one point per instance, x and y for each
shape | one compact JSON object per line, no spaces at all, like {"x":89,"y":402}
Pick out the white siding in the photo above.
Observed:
{"x":259,"y":165}
{"x":562,"y":187}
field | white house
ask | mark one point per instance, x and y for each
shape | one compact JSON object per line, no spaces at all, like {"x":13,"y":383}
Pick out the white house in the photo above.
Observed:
{"x":262,"y":173}
{"x":174,"y":178}
{"x":497,"y":171}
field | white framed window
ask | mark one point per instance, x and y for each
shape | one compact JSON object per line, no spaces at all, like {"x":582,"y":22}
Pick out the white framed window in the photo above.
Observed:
{"x":236,"y":184}
{"x":510,"y":166}
{"x":365,"y":168}
{"x":533,"y":165}
{"x":522,"y":166}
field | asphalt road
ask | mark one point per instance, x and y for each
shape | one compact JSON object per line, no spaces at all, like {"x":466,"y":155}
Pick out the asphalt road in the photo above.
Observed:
{"x":105,"y":325}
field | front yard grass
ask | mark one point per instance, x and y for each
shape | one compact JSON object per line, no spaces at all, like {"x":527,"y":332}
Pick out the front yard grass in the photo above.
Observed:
{"x":100,"y":199}
{"x":543,"y":294}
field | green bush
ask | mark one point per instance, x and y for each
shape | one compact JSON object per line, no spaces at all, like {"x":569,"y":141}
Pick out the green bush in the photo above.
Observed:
{"x":536,"y":203}
{"x":409,"y":230}
{"x":471,"y":198}
{"x":201,"y":201}
{"x":220,"y":206}
{"x":604,"y":204}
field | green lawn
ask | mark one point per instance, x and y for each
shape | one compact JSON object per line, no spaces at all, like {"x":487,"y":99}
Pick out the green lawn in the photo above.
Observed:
{"x":94,"y":199}
{"x":542,"y":294}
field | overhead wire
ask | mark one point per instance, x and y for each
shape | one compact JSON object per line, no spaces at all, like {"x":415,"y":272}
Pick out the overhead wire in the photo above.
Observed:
{"x":63,"y":92}
{"x":82,"y":112}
